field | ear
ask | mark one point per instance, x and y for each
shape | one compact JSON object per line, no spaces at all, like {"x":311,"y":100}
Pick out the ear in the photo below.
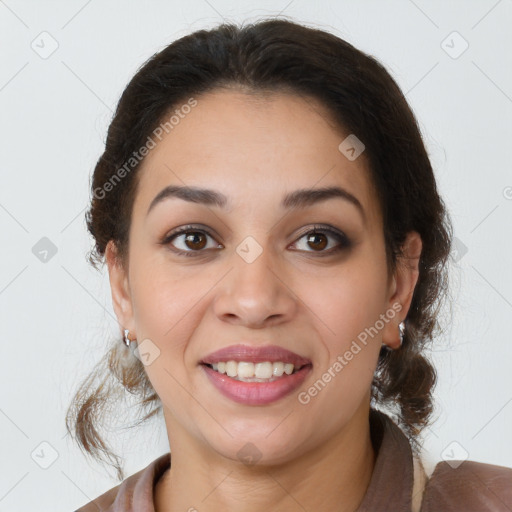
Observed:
{"x":121,"y":296}
{"x":401,"y":288}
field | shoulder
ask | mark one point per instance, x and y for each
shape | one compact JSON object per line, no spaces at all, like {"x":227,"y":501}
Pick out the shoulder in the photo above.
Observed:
{"x":134,"y":494}
{"x":469,"y":486}
{"x":102,"y":503}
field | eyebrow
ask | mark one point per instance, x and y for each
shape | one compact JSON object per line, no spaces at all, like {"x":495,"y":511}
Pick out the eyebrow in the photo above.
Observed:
{"x":297,"y":199}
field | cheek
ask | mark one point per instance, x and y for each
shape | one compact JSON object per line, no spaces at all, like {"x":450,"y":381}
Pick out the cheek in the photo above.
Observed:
{"x":347,"y":304}
{"x":168,"y":306}
{"x":164,"y":298}
{"x":346,"y":310}
{"x":167,"y":310}
{"x":344,"y":376}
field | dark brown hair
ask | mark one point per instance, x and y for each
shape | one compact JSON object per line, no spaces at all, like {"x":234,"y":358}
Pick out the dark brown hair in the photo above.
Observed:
{"x":361,"y":96}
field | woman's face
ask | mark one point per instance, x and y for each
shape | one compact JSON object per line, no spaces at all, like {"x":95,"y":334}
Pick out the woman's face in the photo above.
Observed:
{"x":250,"y":272}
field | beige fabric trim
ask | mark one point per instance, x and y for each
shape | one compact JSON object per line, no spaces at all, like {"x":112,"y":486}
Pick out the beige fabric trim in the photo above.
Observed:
{"x":420,"y":480}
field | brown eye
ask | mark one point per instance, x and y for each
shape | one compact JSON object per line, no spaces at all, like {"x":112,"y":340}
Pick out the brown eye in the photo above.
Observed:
{"x":195,"y":240}
{"x":317,"y":241}
{"x":322,"y":240}
{"x":190,"y":241}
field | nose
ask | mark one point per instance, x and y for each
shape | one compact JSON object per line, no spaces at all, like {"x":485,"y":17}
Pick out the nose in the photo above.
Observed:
{"x":255,"y":294}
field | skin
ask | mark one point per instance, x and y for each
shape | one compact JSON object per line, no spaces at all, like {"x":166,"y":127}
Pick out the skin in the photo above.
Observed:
{"x":254,"y":149}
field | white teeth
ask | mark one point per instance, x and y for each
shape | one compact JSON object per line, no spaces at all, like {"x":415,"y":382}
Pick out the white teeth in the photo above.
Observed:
{"x":231,"y":368}
{"x":263,"y":370}
{"x":247,"y":370}
{"x":278,"y":369}
{"x":288,"y":368}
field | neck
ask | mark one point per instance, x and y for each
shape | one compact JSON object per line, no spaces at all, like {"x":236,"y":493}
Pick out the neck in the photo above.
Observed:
{"x":332,"y":477}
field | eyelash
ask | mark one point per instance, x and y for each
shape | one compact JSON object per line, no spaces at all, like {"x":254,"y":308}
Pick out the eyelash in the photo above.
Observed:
{"x":344,"y":242}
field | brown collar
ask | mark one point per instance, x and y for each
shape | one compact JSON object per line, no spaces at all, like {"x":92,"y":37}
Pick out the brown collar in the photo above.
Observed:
{"x":390,"y":488}
{"x":469,"y":486}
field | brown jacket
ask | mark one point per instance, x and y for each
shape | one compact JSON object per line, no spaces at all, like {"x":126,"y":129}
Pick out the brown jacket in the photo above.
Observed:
{"x":397,"y":484}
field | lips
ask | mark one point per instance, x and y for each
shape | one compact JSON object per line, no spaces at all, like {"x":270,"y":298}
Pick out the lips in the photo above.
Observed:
{"x":257,"y":393}
{"x":255,"y":355}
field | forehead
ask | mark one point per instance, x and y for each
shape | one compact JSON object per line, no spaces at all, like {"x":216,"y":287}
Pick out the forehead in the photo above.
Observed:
{"x":253,"y":145}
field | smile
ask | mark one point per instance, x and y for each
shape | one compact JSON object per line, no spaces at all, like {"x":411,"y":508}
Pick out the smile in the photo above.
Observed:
{"x":254,"y":390}
{"x":247,"y":371}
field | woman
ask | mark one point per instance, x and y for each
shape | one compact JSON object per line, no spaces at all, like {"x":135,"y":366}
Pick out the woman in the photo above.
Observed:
{"x":276,"y":249}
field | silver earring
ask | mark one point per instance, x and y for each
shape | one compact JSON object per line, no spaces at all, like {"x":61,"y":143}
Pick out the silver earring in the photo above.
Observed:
{"x":126,"y":340}
{"x":401,"y":329}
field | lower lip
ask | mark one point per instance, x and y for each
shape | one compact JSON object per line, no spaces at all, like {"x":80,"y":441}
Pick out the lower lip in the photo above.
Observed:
{"x":256,"y":393}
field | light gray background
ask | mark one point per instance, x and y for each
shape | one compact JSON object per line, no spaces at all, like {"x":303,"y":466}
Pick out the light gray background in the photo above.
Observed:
{"x":56,"y":316}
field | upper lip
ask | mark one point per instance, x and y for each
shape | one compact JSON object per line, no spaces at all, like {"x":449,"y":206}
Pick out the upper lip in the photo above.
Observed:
{"x":260,"y":354}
